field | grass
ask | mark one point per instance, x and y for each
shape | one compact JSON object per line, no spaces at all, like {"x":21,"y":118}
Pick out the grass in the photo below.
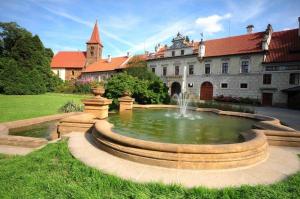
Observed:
{"x":16,"y":107}
{"x":53,"y":173}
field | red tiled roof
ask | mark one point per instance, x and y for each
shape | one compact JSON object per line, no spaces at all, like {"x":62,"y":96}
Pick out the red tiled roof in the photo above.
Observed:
{"x":69,"y":59}
{"x":242,"y":44}
{"x":104,"y":65}
{"x":249,"y":43}
{"x":284,"y":47}
{"x":95,"y":38}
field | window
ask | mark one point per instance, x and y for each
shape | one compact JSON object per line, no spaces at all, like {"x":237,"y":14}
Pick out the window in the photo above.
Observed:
{"x":153,"y":70}
{"x":176,"y":70}
{"x":224,"y":68}
{"x":92,"y":53}
{"x":245,"y":67}
{"x":164,"y":71}
{"x":73,"y":72}
{"x":58,"y":73}
{"x":207,"y":68}
{"x":182,"y":52}
{"x":224,"y":85}
{"x":294,"y":78}
{"x":191,"y":69}
{"x":173,"y":53}
{"x":267,"y":78}
{"x":92,"y":47}
{"x":244,"y":85}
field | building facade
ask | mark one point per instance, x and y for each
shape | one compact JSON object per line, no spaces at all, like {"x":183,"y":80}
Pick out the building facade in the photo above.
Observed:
{"x":259,"y":66}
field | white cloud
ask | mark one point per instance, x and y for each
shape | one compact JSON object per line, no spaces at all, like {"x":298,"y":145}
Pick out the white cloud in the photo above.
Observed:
{"x":211,"y":24}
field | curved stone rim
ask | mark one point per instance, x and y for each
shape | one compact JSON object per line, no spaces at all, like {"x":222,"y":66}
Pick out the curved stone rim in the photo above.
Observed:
{"x":186,"y":156}
{"x":105,"y":129}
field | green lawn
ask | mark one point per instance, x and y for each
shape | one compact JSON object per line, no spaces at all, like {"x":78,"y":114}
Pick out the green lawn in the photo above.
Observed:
{"x":52,"y":172}
{"x":16,"y":107}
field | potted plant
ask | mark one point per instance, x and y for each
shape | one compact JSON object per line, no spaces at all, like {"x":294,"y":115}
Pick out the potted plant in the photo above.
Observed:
{"x":97,"y":88}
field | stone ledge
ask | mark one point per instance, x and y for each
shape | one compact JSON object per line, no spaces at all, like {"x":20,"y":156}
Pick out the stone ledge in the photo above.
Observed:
{"x":22,"y":141}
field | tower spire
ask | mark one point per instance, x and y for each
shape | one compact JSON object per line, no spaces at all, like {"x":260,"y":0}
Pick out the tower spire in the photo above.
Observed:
{"x":95,"y":38}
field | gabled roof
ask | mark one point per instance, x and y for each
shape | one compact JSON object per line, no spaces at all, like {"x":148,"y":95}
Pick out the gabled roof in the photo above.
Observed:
{"x":242,"y":44}
{"x":284,"y":47}
{"x":95,"y":38}
{"x":104,"y":65}
{"x":69,"y":59}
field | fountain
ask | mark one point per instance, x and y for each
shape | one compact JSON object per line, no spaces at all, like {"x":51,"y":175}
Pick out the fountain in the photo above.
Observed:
{"x":182,"y":100}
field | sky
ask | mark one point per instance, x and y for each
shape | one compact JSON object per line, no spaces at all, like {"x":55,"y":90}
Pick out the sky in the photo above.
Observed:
{"x":138,"y":25}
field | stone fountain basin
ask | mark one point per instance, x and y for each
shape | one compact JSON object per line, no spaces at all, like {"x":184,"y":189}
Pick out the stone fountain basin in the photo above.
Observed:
{"x":185,"y":156}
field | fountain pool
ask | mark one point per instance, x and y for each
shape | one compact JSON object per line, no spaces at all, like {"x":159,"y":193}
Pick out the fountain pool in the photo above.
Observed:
{"x":165,"y":125}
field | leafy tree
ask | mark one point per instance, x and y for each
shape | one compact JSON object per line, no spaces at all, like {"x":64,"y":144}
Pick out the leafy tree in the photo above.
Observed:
{"x":144,"y":91}
{"x":137,"y":67}
{"x":24,"y":62}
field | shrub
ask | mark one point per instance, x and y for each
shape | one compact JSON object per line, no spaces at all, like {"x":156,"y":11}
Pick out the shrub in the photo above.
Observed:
{"x":144,"y":91}
{"x":243,"y":100}
{"x":71,"y":106}
{"x":223,"y":106}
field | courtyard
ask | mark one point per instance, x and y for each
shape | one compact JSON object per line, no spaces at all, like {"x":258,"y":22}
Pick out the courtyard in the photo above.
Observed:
{"x":150,"y":99}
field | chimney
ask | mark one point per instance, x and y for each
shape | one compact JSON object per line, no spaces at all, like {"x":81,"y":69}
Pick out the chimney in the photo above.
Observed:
{"x":267,"y":37}
{"x":108,"y":58}
{"x":299,"y":26}
{"x":201,"y":51}
{"x":128,"y":54}
{"x":250,"y":29}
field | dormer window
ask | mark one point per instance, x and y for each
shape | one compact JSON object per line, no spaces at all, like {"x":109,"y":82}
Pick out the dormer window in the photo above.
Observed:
{"x":173,"y":53}
{"x":182,"y":52}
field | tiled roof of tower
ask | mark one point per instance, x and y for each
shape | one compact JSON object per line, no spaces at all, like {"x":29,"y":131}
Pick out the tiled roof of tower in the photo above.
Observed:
{"x":242,"y":44}
{"x":95,"y":38}
{"x":284,"y":47}
{"x":69,"y":59}
{"x":104,"y":65}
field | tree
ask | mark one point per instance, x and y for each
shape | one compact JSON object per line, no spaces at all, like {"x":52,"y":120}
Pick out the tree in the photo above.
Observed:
{"x":24,"y":62}
{"x":137,"y":67}
{"x":144,"y":91}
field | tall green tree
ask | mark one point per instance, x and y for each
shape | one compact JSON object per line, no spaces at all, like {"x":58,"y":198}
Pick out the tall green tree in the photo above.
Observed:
{"x":24,"y":62}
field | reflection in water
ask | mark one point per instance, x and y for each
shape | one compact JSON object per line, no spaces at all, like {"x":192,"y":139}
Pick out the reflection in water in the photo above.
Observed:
{"x":164,"y":126}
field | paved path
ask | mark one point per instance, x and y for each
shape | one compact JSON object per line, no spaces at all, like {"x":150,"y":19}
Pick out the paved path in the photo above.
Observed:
{"x":287,"y":116}
{"x":15,"y":150}
{"x":282,"y":162}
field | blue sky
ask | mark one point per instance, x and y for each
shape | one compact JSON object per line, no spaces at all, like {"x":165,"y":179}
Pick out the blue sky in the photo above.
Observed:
{"x":138,"y":25}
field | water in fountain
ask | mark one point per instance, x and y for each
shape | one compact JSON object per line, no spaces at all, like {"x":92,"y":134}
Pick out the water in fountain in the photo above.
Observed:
{"x":183,"y":100}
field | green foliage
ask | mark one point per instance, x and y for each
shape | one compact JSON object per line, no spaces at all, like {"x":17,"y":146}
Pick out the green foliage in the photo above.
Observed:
{"x":224,"y":106}
{"x":53,"y":172}
{"x":71,"y":106}
{"x":144,"y":91}
{"x":24,"y":62}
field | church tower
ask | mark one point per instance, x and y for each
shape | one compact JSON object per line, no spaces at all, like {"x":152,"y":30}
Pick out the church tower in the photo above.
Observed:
{"x":94,"y":47}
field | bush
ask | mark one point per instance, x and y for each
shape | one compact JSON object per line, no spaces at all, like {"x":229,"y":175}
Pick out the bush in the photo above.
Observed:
{"x":144,"y":91}
{"x":243,"y":100}
{"x":224,"y":107}
{"x":71,"y":106}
